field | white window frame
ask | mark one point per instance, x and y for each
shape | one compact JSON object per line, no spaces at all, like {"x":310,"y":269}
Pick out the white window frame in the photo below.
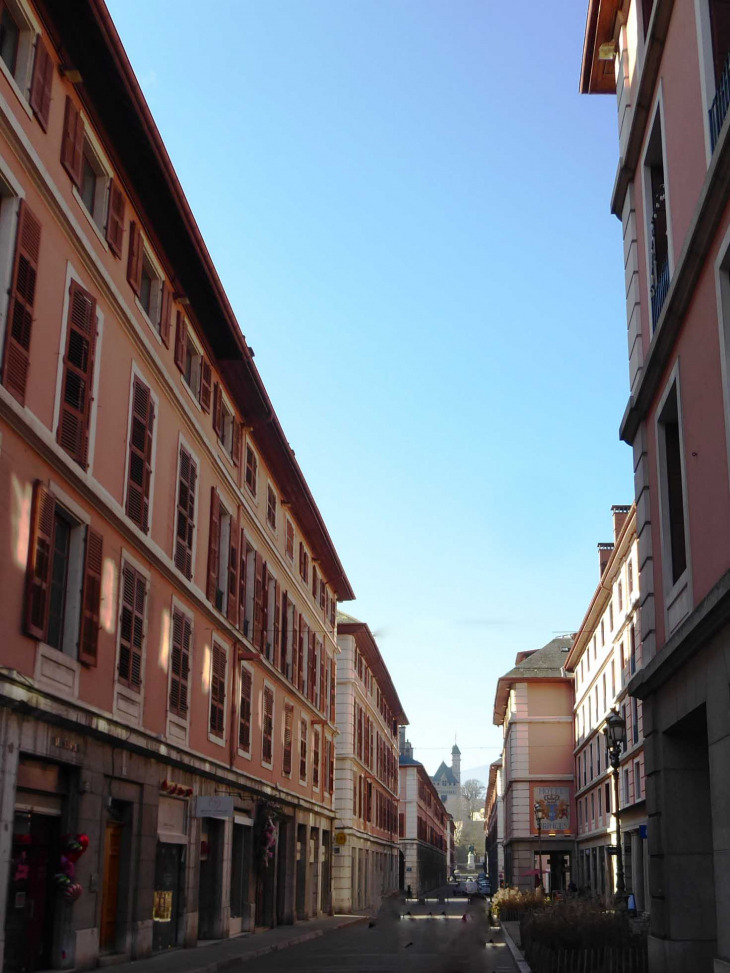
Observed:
{"x":131,"y":695}
{"x":29,"y":32}
{"x":657,"y":112}
{"x":222,"y":644}
{"x":708,"y":87}
{"x":182,"y":443}
{"x":97,"y":219}
{"x":173,"y":718}
{"x":193,"y":339}
{"x":11,"y":192}
{"x":137,"y":371}
{"x":287,"y":521}
{"x":246,"y":446}
{"x":227,"y":406}
{"x":267,"y":685}
{"x":246,"y":754}
{"x":682,"y":587}
{"x":637,"y":777}
{"x":302,"y":780}
{"x":224,"y":551}
{"x":153,"y":318}
{"x":72,"y":274}
{"x":274,"y":528}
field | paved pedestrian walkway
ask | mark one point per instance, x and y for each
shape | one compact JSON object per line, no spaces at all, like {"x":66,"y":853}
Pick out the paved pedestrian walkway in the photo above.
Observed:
{"x":224,"y":954}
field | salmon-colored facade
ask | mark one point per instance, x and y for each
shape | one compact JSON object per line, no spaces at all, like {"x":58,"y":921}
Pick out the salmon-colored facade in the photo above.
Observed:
{"x":424,"y":826}
{"x":667,"y":62}
{"x":169,"y":586}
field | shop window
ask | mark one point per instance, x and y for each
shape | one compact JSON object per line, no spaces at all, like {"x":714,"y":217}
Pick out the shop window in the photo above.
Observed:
{"x":672,"y":486}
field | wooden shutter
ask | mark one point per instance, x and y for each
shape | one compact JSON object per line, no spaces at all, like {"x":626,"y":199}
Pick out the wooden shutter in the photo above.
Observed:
{"x":300,"y":655}
{"x":180,"y":663}
{"x":132,"y":627}
{"x":284,"y":634}
{"x":323,"y":701}
{"x":314,"y":582}
{"x":322,"y":590}
{"x":258,"y":596}
{"x":233,"y":568}
{"x":720,"y":27}
{"x":265,"y":613}
{"x":303,"y":750}
{"x":21,"y":303}
{"x":276,"y":626}
{"x":332,"y":767}
{"x":72,"y":142}
{"x":333,"y":610}
{"x":206,"y":384}
{"x":213,"y":545}
{"x":115,"y":218}
{"x":315,"y":758}
{"x":267,"y":749}
{"x":288,"y":734}
{"x":218,"y":691}
{"x":332,"y":691}
{"x":165,"y":314}
{"x":140,"y":455}
{"x":293,"y":665}
{"x":40,"y":556}
{"x":242,"y":581}
{"x":301,"y":559}
{"x":181,"y":339}
{"x":217,"y":409}
{"x":91,"y":598}
{"x":134,"y":258}
{"x":236,"y":451}
{"x":244,"y":722}
{"x":311,"y":668}
{"x":185,"y":529}
{"x":78,"y":373}
{"x":40,"y":86}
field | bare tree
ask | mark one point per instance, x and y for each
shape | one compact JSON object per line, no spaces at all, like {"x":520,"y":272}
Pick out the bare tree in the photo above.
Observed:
{"x":473,"y":793}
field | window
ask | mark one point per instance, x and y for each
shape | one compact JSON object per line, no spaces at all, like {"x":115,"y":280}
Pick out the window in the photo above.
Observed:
{"x":634,"y":719}
{"x":267,"y":727}
{"x":94,"y":184}
{"x":610,"y":615}
{"x":623,"y":717}
{"x":252,"y":465}
{"x":244,"y":713}
{"x":189,"y":358}
{"x":600,"y":809}
{"x":63,"y":590}
{"x":131,"y":627}
{"x":218,"y":668}
{"x":21,"y":303}
{"x":593,"y":806}
{"x":303,"y":563}
{"x":656,"y":219}
{"x":225,"y":425}
{"x":604,"y":692}
{"x":9,"y":38}
{"x":288,"y":728}
{"x":182,"y":630}
{"x":222,"y":588}
{"x":670,"y":458}
{"x":598,"y":757}
{"x":303,"y":751}
{"x":17,"y":36}
{"x":630,"y":572}
{"x":185,"y":522}
{"x":270,"y":507}
{"x":603,"y":635}
{"x":637,"y":780}
{"x":607,"y":793}
{"x":620,"y":596}
{"x":78,"y":374}
{"x":626,"y":786}
{"x":315,"y":759}
{"x":632,"y":649}
{"x":141,"y":446}
{"x":289,"y":539}
{"x":613,"y":680}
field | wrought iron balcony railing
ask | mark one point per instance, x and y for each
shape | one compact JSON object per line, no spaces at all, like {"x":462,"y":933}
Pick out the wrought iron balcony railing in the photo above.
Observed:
{"x":720,"y":104}
{"x":659,"y":288}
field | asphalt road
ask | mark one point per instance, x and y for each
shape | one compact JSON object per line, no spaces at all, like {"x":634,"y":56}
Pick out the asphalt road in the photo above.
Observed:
{"x":434,"y":938}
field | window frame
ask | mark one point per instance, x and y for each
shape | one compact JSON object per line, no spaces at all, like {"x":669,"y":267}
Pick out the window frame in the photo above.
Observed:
{"x":182,"y":443}
{"x":222,"y":644}
{"x":20,"y":79}
{"x":268,"y":765}
{"x":289,"y":524}
{"x":271,"y":492}
{"x":153,"y":317}
{"x":104,"y":175}
{"x":120,"y":689}
{"x":174,"y":719}
{"x":247,"y":667}
{"x":136,"y":372}
{"x":656,"y":116}
{"x":191,"y":338}
{"x":253,"y":490}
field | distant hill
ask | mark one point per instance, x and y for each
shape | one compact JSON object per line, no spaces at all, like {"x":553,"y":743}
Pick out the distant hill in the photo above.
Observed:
{"x":476,"y":773}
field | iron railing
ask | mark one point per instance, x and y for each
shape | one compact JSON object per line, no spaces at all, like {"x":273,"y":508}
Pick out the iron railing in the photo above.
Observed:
{"x":659,"y":288}
{"x":720,"y":104}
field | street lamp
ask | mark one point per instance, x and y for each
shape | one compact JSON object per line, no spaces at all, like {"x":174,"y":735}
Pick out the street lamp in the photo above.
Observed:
{"x":538,"y":818}
{"x":615,"y":733}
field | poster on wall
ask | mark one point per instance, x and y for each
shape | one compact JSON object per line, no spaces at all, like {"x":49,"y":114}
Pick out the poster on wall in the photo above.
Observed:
{"x":554,"y":803}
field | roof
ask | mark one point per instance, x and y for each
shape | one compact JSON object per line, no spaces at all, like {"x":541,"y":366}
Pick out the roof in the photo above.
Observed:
{"x":597,"y":76}
{"x":444,"y":773}
{"x":545,"y":663}
{"x":85,"y":36}
{"x":405,"y":761}
{"x":455,"y":750}
{"x":349,"y":625}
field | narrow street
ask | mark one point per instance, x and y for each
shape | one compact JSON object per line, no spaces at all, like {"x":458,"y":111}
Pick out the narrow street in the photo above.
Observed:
{"x":432,"y":939}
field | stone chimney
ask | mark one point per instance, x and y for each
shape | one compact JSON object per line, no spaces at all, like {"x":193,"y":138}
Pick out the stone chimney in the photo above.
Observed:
{"x":604,"y":554}
{"x":620,"y":513}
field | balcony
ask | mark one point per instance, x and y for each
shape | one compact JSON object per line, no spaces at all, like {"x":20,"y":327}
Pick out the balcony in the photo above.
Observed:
{"x":720,"y":104}
{"x":659,"y":288}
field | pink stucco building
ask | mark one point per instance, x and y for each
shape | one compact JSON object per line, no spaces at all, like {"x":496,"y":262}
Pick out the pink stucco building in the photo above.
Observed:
{"x":169,"y":586}
{"x":667,"y":63}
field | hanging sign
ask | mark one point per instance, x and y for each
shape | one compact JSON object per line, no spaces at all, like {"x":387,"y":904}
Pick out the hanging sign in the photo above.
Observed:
{"x":217,"y":806}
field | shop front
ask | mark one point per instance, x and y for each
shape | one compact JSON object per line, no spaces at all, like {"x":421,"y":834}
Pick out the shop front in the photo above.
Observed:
{"x":168,"y":898}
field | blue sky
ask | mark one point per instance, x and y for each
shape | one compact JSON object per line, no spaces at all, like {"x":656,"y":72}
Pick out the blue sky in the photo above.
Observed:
{"x":407,"y":202}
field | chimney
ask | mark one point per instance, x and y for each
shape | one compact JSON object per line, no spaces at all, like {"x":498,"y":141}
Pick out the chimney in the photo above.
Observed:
{"x":620,"y":513}
{"x":604,"y":555}
{"x":402,"y":739}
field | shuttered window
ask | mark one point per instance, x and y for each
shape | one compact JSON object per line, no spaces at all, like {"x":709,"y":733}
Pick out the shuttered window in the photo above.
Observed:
{"x":115,"y":218}
{"x":72,"y":142}
{"x":333,"y":610}
{"x":315,"y":759}
{"x":206,"y":385}
{"x":91,"y":598}
{"x":288,"y":732}
{"x":283,"y":634}
{"x":311,"y":669}
{"x":78,"y":373}
{"x":39,"y":563}
{"x":244,"y":719}
{"x":300,"y":655}
{"x":139,"y":474}
{"x":185,"y":528}
{"x":40,"y":86}
{"x":217,"y":691}
{"x":243,"y":546}
{"x":289,"y":539}
{"x":332,"y":691}
{"x":267,"y":739}
{"x":322,"y":700}
{"x":332,"y":767}
{"x":259,"y":622}
{"x":135,"y":257}
{"x":182,"y":631}
{"x":303,"y":750}
{"x":165,"y":312}
{"x":181,"y":339}
{"x":233,"y":568}
{"x":21,"y":303}
{"x":251,"y":470}
{"x":214,"y":539}
{"x":131,"y":628}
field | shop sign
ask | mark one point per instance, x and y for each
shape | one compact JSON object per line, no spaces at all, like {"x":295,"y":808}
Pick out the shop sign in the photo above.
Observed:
{"x":612,"y":849}
{"x":217,"y":806}
{"x":340,"y":838}
{"x":554,"y":804}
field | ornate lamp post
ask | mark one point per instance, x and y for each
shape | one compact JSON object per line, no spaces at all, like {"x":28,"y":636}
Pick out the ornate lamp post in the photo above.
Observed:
{"x":615,"y":733}
{"x":538,"y":818}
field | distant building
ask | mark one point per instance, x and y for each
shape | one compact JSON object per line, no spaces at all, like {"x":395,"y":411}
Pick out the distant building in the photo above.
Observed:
{"x":423,"y":825}
{"x":365,"y":866}
{"x":447,"y":781}
{"x":534,"y":707}
{"x":494,"y":825}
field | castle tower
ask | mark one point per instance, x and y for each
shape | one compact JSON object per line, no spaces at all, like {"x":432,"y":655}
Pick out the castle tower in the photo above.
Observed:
{"x":456,"y":763}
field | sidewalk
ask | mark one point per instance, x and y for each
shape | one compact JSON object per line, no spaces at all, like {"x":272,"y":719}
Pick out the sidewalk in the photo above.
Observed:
{"x":511,"y":933}
{"x":223,"y":954}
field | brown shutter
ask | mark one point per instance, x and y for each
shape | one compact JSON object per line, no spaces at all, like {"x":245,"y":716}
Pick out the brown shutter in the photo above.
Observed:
{"x":259,"y":568}
{"x":301,"y":559}
{"x":185,"y":528}
{"x":218,"y":691}
{"x":134,"y":257}
{"x":40,"y":86}
{"x":265,"y":612}
{"x":181,"y":337}
{"x":236,"y":452}
{"x":284,"y":633}
{"x":206,"y":385}
{"x":311,"y":668}
{"x":140,"y":455}
{"x":217,"y":409}
{"x":165,"y":314}
{"x":288,"y":733}
{"x":115,"y":218}
{"x":267,"y":748}
{"x":213,"y":545}
{"x":40,"y":555}
{"x":315,"y":758}
{"x":242,"y":582}
{"x":293,"y":665}
{"x":332,"y":767}
{"x":233,"y":568}
{"x":91,"y":598}
{"x":276,"y":625}
{"x":314,"y":583}
{"x":303,"y":750}
{"x":332,"y":691}
{"x":244,"y":725}
{"x":72,"y":142}
{"x":78,"y":372}
{"x":132,"y":627}
{"x":21,"y":303}
{"x":322,"y":698}
{"x":300,"y":656}
{"x":180,"y":663}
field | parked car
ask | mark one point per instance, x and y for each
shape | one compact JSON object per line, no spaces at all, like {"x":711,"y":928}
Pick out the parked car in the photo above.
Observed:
{"x":471,"y":886}
{"x":484,"y":884}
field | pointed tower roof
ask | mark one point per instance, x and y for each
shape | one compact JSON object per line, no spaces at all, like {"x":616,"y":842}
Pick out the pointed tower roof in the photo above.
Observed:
{"x":455,"y":750}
